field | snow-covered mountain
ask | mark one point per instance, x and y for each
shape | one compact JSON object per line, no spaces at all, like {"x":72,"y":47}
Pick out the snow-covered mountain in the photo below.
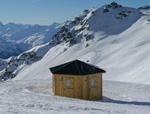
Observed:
{"x":113,"y":37}
{"x":16,"y":38}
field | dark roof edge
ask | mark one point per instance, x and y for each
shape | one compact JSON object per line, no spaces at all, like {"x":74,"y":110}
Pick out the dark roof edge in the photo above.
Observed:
{"x":67,"y":63}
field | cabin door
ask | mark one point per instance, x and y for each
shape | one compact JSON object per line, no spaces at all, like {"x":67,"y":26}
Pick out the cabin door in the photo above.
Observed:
{"x":68,"y":86}
{"x":94,"y":88}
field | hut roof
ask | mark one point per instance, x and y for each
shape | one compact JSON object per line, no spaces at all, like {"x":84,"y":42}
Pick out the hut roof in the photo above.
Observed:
{"x":76,"y":67}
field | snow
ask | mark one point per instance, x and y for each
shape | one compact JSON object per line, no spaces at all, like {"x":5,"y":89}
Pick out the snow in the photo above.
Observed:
{"x":123,"y":52}
{"x":35,"y":39}
{"x":109,"y":23}
{"x":35,"y":96}
{"x":123,"y":55}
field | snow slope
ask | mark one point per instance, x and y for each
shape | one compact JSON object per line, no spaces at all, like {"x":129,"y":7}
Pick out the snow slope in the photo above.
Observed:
{"x":125,"y":55}
{"x":35,"y":97}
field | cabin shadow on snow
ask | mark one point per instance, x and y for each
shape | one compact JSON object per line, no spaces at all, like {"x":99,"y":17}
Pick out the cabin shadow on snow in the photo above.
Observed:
{"x":109,"y":100}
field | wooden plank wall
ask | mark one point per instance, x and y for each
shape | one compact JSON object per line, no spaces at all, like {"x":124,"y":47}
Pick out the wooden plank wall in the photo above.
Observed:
{"x":81,"y":86}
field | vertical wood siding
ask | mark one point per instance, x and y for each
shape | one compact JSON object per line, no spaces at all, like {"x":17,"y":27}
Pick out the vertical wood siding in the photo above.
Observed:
{"x":87,"y":87}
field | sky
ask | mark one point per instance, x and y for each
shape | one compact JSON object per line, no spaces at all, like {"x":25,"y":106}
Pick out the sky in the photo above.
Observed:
{"x":46,"y":12}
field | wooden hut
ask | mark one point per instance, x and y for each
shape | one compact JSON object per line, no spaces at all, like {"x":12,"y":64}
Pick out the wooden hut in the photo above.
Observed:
{"x":77,"y":79}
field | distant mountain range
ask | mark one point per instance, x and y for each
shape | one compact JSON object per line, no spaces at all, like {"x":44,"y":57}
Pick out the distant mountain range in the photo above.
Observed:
{"x":16,"y":38}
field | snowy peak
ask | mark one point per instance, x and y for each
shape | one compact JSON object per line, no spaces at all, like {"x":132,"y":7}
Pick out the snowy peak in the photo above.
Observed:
{"x":113,"y":19}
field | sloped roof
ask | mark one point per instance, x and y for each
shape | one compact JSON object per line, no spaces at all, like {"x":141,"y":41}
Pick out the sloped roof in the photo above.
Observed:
{"x":76,"y":67}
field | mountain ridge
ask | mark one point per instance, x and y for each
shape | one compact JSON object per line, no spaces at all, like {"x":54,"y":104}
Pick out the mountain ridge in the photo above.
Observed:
{"x":114,"y":48}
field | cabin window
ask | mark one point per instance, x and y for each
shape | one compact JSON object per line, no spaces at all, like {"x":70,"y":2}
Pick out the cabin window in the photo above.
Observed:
{"x":69,"y":84}
{"x":93,"y":83}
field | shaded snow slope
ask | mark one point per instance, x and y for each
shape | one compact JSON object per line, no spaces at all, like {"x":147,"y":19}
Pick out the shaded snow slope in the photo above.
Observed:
{"x":8,"y":49}
{"x":17,"y":38}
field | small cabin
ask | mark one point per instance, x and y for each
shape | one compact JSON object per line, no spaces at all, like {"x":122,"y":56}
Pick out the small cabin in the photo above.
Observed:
{"x":77,"y":79}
